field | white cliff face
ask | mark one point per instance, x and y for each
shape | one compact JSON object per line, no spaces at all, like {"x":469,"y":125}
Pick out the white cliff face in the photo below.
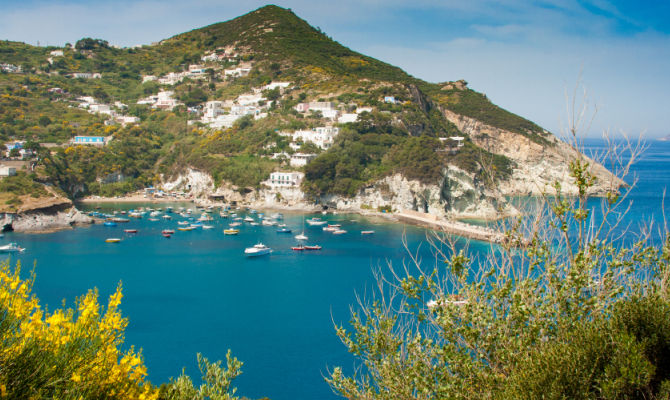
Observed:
{"x":195,"y":182}
{"x":537,"y":166}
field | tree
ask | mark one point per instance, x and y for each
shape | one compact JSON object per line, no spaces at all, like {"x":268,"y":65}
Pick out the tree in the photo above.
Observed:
{"x":560,"y":309}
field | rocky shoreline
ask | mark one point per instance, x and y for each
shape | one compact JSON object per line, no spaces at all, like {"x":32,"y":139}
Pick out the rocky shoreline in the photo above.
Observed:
{"x":45,"y":220}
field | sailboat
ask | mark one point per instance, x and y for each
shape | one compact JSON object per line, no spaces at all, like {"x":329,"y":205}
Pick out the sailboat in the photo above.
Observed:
{"x":302,"y":235}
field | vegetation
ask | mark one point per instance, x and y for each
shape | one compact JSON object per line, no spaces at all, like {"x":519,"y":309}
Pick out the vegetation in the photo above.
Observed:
{"x":77,"y":353}
{"x":562,"y":309}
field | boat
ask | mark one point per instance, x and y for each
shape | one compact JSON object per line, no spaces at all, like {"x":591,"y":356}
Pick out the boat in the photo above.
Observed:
{"x":329,"y":229}
{"x":186,"y":228}
{"x":367,"y":232}
{"x":11,"y":248}
{"x":153,"y":219}
{"x":316,"y":222}
{"x":248,"y":219}
{"x":130,"y":230}
{"x":254,"y":223}
{"x":205,"y":217}
{"x":334,"y":225}
{"x":313,"y":247}
{"x":208,"y":227}
{"x":277,"y":216}
{"x":339,"y":232}
{"x":182,"y":223}
{"x":223,"y":214}
{"x":121,"y":220}
{"x":137,"y":215}
{"x":233,"y":224}
{"x":257,"y":250}
{"x":302,"y":236}
{"x":109,"y":223}
{"x":283,"y":230}
{"x":112,"y":240}
{"x":167,"y":231}
{"x":167,"y":235}
{"x":231,"y":231}
{"x":167,"y":216}
{"x":267,"y":222}
{"x":298,"y":248}
{"x":154,"y":213}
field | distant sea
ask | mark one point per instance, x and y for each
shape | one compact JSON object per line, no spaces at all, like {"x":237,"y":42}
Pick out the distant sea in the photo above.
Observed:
{"x":197,"y":292}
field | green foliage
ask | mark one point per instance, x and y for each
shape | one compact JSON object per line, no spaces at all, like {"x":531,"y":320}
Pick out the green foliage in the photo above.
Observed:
{"x":22,"y":184}
{"x":216,"y":380}
{"x":557,"y":310}
{"x":91,"y":44}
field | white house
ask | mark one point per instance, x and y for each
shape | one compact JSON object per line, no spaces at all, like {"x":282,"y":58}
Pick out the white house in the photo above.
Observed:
{"x":165,"y":101}
{"x":285,"y":179}
{"x":250,"y":99}
{"x":213,"y":109}
{"x":56,"y":53}
{"x":7,"y":170}
{"x":323,"y":136}
{"x":100,"y":109}
{"x":236,"y":72}
{"x":346,"y":118}
{"x":274,"y":85}
{"x":86,"y":75}
{"x":301,"y":159}
{"x":326,"y":108}
{"x":90,"y":140}
{"x":126,"y":119}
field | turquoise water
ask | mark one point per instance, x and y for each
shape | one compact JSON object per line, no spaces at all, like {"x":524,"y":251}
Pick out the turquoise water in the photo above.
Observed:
{"x":196,"y":292}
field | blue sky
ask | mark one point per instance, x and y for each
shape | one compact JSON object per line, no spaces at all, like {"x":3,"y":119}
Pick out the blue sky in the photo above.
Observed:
{"x":525,"y":55}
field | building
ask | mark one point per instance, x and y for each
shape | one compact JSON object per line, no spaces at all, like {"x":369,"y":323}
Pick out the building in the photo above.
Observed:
{"x":7,"y":170}
{"x":301,"y":159}
{"x":237,"y":72}
{"x":89,"y":140}
{"x":213,"y":109}
{"x":86,"y":75}
{"x":285,"y":179}
{"x":56,"y":53}
{"x":326,"y":108}
{"x":323,"y":136}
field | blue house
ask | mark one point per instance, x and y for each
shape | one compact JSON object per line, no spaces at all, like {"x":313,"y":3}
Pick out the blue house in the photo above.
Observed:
{"x":96,"y":140}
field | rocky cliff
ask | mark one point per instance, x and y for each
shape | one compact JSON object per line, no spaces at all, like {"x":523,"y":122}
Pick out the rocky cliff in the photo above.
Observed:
{"x":537,"y":165}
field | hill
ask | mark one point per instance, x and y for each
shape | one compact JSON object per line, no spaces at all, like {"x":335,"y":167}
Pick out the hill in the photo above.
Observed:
{"x":266,"y":92}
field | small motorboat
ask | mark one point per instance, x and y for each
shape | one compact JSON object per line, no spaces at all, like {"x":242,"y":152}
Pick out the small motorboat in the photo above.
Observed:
{"x":334,"y":225}
{"x":130,"y":230}
{"x":186,"y":228}
{"x":257,"y":250}
{"x":11,"y":248}
{"x":153,"y":219}
{"x":231,"y":231}
{"x":208,"y":227}
{"x":234,"y":224}
{"x":339,"y":232}
{"x":167,"y":216}
{"x":109,"y":223}
{"x":167,"y":235}
{"x":182,"y":223}
{"x":329,"y":229}
{"x":121,"y":220}
{"x":316,"y":222}
{"x":248,"y":219}
{"x":367,"y":232}
{"x":298,"y":248}
{"x":167,"y":231}
{"x":301,"y":236}
{"x":313,"y":247}
{"x":112,"y":240}
{"x":283,"y":230}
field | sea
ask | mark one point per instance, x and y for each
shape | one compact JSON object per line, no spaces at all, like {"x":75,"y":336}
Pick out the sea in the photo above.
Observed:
{"x":196,"y":292}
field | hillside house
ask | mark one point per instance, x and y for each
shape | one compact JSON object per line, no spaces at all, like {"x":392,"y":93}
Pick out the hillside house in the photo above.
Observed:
{"x":90,"y":140}
{"x":301,"y":159}
{"x":236,"y":72}
{"x":212,"y":109}
{"x":86,"y":75}
{"x":56,"y":53}
{"x":322,"y":137}
{"x":284,"y":179}
{"x":6,"y":170}
{"x":326,"y":108}
{"x":11,"y":68}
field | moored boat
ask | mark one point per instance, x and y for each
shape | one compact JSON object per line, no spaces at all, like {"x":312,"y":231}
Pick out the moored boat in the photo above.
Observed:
{"x":313,"y":247}
{"x":11,"y":248}
{"x":298,"y":248}
{"x":283,"y":230}
{"x":112,"y":240}
{"x":316,"y":221}
{"x":130,"y":230}
{"x":339,"y":232}
{"x":257,"y":250}
{"x":231,"y":231}
{"x":367,"y":232}
{"x":167,"y":231}
{"x":186,"y":228}
{"x":109,"y":223}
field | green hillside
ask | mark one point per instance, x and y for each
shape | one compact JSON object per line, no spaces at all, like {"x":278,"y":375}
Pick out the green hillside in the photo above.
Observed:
{"x":43,"y":103}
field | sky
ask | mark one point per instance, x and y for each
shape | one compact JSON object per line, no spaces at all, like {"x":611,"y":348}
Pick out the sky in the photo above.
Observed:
{"x":529,"y":57}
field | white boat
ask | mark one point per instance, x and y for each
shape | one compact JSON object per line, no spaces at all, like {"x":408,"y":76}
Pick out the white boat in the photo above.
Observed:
{"x":167,"y":216}
{"x":339,"y":232}
{"x":302,"y":235}
{"x":11,"y":248}
{"x":155,"y":213}
{"x":182,"y":223}
{"x":267,"y":222}
{"x":316,"y":222}
{"x":205,"y":217}
{"x":258,"y":250}
{"x":233,"y":224}
{"x":367,"y":232}
{"x":329,"y":229}
{"x":208,"y":227}
{"x":248,"y":219}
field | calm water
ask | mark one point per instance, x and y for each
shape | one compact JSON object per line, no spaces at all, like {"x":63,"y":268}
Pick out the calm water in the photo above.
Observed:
{"x":196,"y":292}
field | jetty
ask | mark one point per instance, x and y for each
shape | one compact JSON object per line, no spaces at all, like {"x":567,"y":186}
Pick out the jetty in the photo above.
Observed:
{"x":458,"y":228}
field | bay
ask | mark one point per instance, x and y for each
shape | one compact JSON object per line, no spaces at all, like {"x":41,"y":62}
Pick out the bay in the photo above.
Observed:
{"x":196,"y":292}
